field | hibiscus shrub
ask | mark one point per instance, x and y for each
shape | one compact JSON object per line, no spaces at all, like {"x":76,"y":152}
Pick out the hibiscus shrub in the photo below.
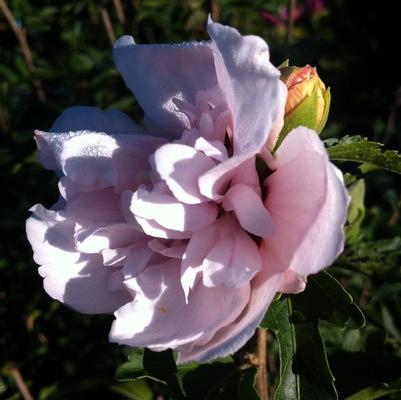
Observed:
{"x":242,"y":255}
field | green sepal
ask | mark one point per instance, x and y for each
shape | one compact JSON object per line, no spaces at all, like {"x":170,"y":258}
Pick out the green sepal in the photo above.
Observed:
{"x":305,"y":114}
{"x":327,"y":102}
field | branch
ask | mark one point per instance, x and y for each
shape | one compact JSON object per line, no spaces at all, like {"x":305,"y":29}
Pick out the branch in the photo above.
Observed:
{"x":19,"y":380}
{"x":119,"y":10}
{"x":20,"y":34}
{"x":261,"y":375}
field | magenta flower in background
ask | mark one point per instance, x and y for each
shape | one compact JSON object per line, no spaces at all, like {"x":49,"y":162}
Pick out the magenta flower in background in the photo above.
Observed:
{"x":306,"y":8}
{"x":169,"y":225}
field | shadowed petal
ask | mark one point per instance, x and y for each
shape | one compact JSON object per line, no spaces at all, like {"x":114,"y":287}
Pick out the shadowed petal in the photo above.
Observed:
{"x":75,"y":279}
{"x":159,"y":316}
{"x":95,"y":160}
{"x":231,"y":337}
{"x":249,"y":209}
{"x":156,"y":74}
{"x":93,"y":119}
{"x":234,"y":258}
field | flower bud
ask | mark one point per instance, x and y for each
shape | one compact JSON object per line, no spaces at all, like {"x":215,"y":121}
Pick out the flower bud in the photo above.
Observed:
{"x":308,"y":100}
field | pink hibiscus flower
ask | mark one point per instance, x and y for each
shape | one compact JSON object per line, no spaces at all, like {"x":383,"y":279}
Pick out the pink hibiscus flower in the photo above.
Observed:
{"x":170,"y":226}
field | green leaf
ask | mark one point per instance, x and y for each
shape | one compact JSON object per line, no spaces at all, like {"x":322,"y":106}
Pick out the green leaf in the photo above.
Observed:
{"x":326,"y":299}
{"x":304,"y":370}
{"x":377,"y":391}
{"x":358,"y":149}
{"x":350,"y":340}
{"x":215,"y":381}
{"x":247,"y":385}
{"x":161,"y":365}
{"x":132,"y":369}
{"x":138,"y":390}
{"x":389,"y":323}
{"x":380,"y":257}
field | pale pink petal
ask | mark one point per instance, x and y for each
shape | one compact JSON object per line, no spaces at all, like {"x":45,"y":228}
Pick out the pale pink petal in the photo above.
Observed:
{"x":137,"y":260}
{"x":245,"y":73}
{"x":301,"y":140}
{"x":83,"y":156}
{"x":231,"y":337}
{"x":214,"y":182}
{"x":116,"y":257}
{"x":292,"y":283}
{"x":180,"y":167}
{"x":249,"y":209}
{"x":234,"y":259}
{"x":95,"y":239}
{"x":171,"y":214}
{"x":279,"y":122}
{"x":83,"y":285}
{"x":199,"y":245}
{"x":159,"y":316}
{"x":68,"y":189}
{"x":206,"y":126}
{"x":247,"y":174}
{"x":158,"y":73}
{"x":93,"y":160}
{"x":115,"y":281}
{"x":213,"y":149}
{"x":75,"y":119}
{"x":93,"y":119}
{"x":101,"y":206}
{"x":220,"y":125}
{"x":45,"y":223}
{"x":131,"y":160}
{"x":307,"y":201}
{"x":70,"y":277}
{"x":152,"y":228}
{"x":173,"y":249}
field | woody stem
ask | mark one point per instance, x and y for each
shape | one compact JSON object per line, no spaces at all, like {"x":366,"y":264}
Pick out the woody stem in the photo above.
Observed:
{"x":261,"y":375}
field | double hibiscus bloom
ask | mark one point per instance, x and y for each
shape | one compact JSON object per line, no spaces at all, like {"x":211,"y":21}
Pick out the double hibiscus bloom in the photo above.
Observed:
{"x":170,"y":226}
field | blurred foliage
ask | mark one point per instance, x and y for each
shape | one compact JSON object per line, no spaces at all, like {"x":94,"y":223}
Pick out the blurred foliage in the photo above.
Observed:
{"x":63,"y":355}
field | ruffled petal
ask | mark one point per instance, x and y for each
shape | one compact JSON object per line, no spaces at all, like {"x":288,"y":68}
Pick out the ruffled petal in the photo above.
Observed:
{"x":249,"y":209}
{"x":180,"y":167}
{"x":94,"y":160}
{"x":93,"y":119}
{"x":279,"y":121}
{"x":245,"y":73}
{"x":96,"y":208}
{"x":231,"y":337}
{"x":165,"y":210}
{"x":70,"y":277}
{"x":198,"y":247}
{"x":77,"y":119}
{"x":156,"y":74}
{"x":234,"y":258}
{"x":112,"y":236}
{"x":159,"y":317}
